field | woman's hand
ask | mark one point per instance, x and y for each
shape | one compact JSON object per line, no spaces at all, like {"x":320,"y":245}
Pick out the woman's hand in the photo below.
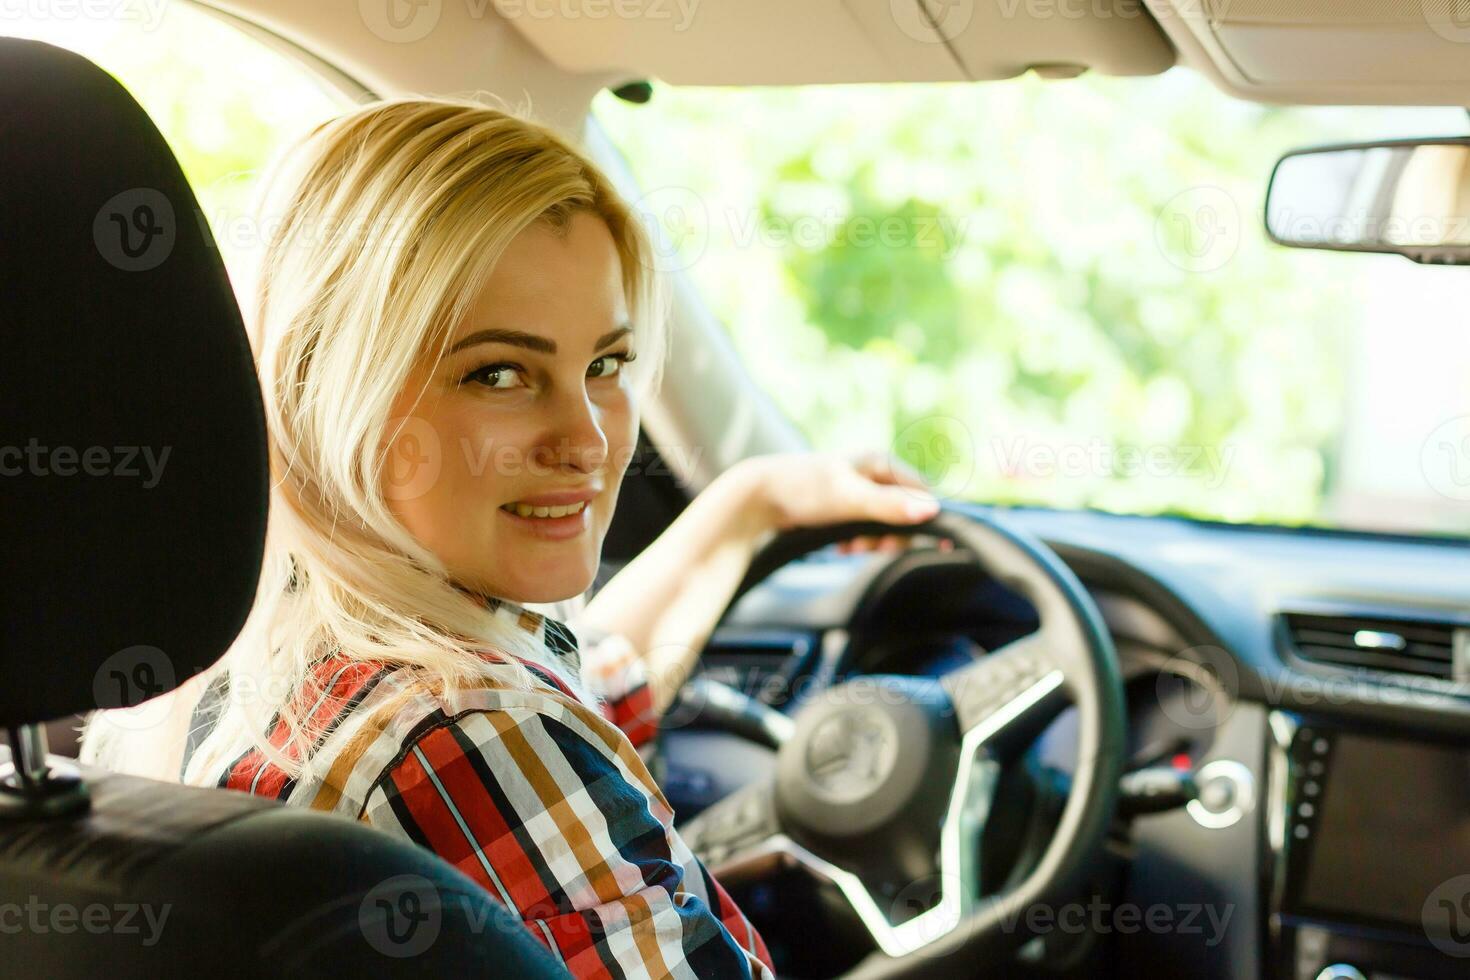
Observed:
{"x":667,"y":600}
{"x":791,"y":490}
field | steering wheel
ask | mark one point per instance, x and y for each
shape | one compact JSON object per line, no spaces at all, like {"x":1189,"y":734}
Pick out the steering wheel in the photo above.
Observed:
{"x":883,"y":783}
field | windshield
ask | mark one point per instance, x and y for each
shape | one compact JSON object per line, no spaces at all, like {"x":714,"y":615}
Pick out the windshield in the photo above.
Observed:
{"x":1060,"y":293}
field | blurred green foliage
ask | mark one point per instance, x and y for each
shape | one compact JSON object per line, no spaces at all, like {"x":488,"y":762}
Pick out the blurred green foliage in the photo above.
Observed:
{"x":1099,"y":320}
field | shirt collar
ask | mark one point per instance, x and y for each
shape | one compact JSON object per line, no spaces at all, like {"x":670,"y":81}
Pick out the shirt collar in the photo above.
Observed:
{"x":555,"y":636}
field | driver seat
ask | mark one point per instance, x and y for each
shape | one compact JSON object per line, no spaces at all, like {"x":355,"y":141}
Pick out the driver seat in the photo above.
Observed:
{"x":133,"y":457}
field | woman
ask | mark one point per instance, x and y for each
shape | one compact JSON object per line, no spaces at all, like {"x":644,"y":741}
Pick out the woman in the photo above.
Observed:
{"x":456,"y":324}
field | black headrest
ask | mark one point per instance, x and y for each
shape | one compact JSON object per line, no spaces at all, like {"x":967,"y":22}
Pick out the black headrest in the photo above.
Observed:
{"x":133,"y":473}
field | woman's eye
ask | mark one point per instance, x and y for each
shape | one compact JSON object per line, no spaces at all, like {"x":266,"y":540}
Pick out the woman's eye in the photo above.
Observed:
{"x":496,"y":376}
{"x":609,"y":365}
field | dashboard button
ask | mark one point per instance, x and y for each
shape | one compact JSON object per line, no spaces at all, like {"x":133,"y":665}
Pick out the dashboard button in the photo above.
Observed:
{"x":1226,"y":793}
{"x":1217,"y":795}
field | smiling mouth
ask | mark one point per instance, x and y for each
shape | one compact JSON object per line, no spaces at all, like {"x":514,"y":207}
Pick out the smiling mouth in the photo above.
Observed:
{"x":560,"y":510}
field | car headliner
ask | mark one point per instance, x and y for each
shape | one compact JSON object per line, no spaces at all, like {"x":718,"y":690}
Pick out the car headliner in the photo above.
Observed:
{"x":559,"y":53}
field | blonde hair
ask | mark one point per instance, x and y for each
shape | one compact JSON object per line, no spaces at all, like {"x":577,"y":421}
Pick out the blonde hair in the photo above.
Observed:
{"x":388,"y":219}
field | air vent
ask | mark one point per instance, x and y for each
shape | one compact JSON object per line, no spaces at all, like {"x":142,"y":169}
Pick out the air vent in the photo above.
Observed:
{"x":1421,"y":647}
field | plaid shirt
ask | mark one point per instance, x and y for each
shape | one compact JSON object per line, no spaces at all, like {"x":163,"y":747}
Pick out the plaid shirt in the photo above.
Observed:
{"x":540,"y":798}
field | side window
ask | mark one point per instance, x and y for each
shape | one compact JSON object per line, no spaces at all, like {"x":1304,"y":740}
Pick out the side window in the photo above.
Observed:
{"x":226,"y":102}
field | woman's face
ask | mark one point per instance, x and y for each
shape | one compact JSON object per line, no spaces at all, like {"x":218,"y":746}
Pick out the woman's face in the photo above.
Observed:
{"x":508,"y":466}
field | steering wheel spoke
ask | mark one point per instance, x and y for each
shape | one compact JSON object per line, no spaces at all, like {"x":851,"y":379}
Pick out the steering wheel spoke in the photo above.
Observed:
{"x":902,"y":914}
{"x":1006,"y":698}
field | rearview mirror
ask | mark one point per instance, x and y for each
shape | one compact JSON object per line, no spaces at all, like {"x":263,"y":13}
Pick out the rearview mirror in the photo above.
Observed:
{"x":1410,"y":197}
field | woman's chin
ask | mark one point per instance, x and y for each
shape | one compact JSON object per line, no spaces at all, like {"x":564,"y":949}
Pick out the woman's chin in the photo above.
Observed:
{"x":551,"y":585}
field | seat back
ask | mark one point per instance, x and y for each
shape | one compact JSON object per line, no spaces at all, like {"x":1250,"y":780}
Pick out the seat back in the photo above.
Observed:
{"x":134,"y":477}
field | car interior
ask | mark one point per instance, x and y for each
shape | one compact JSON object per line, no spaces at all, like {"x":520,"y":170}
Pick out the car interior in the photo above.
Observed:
{"x":1085,"y":741}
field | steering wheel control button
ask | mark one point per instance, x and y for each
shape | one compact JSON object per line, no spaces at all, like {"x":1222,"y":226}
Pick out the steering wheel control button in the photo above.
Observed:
{"x":730,"y":826}
{"x":1227,"y":792}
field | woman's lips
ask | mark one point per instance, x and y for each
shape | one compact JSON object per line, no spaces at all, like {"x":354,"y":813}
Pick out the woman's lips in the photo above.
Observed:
{"x":553,"y":528}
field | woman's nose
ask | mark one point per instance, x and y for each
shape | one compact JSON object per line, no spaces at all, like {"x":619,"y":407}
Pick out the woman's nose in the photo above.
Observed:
{"x":577,"y":440}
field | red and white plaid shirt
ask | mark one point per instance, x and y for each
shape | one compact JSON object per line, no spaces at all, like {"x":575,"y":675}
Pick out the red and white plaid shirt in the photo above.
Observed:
{"x":536,"y":795}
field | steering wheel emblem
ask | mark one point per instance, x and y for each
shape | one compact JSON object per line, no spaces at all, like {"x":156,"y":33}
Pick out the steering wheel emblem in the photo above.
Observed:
{"x":850,"y":754}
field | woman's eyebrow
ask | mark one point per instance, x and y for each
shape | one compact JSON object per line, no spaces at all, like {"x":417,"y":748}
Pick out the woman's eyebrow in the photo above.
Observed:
{"x":608,"y":338}
{"x":531,"y":341}
{"x":515,"y":338}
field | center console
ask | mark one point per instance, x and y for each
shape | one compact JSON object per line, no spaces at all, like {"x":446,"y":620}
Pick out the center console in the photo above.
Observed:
{"x":1370,"y":842}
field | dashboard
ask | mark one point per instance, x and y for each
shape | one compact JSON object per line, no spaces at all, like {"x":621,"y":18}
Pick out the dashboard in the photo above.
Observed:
{"x":1233,"y":641}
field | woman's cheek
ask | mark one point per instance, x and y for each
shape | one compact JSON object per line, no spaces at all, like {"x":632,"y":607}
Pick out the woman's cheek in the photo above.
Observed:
{"x":495,"y":456}
{"x":622,"y":435}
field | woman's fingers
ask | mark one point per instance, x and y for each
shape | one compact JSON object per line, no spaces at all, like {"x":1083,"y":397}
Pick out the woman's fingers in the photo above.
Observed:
{"x":900,"y":505}
{"x":887,"y":468}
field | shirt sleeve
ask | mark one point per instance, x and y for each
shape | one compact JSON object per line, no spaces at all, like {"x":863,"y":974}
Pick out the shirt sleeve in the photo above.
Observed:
{"x":613,"y":671}
{"x":553,"y":812}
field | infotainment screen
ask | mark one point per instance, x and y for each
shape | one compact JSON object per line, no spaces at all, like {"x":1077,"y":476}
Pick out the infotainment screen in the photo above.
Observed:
{"x":1394,"y":825}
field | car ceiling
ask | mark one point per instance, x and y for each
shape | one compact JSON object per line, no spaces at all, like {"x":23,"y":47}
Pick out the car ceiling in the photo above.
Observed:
{"x":554,"y":55}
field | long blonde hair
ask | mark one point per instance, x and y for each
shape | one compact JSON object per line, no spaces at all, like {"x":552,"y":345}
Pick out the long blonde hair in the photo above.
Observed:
{"x":385,"y":221}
